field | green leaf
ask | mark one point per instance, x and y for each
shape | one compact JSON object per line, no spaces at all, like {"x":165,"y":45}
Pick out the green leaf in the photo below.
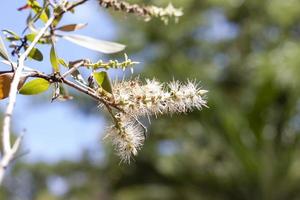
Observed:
{"x":54,"y":60}
{"x":3,"y":51}
{"x":36,"y":54}
{"x":35,"y":6}
{"x":10,"y":35}
{"x":62,"y":62}
{"x":103,"y":80}
{"x":47,"y":11}
{"x":71,"y":27}
{"x":57,"y":10}
{"x":30,"y":37}
{"x":57,"y":20}
{"x":35,"y":86}
{"x":94,"y":44}
{"x":43,"y":16}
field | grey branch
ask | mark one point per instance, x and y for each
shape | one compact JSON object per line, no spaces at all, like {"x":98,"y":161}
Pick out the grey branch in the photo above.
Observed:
{"x":9,"y":150}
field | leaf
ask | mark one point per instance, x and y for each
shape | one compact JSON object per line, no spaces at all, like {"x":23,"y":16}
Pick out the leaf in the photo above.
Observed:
{"x":57,"y":12}
{"x":35,"y":6}
{"x":47,"y":11}
{"x":30,"y":37}
{"x":3,"y":51}
{"x":94,"y":44}
{"x":35,"y":86}
{"x":71,"y":27}
{"x":5,"y":82}
{"x":103,"y":80}
{"x":62,"y":62}
{"x":54,"y":60}
{"x":10,"y":35}
{"x":36,"y":54}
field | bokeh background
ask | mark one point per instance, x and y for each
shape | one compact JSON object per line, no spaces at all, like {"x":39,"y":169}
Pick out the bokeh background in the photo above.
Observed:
{"x":245,"y":146}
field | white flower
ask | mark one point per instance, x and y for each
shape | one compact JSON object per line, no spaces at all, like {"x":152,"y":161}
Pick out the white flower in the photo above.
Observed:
{"x":152,"y":98}
{"x":127,"y":137}
{"x":192,"y":96}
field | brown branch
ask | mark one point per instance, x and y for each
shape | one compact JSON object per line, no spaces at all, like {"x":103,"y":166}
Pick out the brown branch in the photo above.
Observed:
{"x":92,"y":94}
{"x":88,"y":91}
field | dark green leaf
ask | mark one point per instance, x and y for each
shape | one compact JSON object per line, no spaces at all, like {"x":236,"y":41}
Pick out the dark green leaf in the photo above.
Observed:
{"x":36,"y":54}
{"x":35,"y":86}
{"x":103,"y":80}
{"x":57,"y":20}
{"x":71,"y":27}
{"x":57,"y":10}
{"x":3,"y":51}
{"x":94,"y":44}
{"x":54,"y":60}
{"x":47,"y":11}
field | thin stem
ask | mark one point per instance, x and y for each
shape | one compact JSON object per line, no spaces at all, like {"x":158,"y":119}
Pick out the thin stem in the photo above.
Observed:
{"x":91,"y":93}
{"x":71,"y":7}
{"x":81,"y":89}
{"x":73,"y":67}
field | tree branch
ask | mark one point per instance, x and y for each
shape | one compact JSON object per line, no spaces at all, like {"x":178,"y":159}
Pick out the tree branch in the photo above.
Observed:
{"x":9,"y":150}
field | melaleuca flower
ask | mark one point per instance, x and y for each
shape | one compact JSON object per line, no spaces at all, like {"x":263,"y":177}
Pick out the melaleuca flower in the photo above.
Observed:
{"x":154,"y":98}
{"x":126,"y":136}
{"x":136,"y":99}
{"x":185,"y":97}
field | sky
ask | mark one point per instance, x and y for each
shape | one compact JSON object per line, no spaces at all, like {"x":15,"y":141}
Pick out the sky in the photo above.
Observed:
{"x":56,"y":131}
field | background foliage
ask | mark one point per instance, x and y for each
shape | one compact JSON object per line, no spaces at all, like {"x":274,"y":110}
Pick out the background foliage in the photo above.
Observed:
{"x":245,"y":146}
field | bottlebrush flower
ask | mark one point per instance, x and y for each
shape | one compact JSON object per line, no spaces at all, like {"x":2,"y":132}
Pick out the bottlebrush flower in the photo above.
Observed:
{"x":152,"y":98}
{"x":126,"y":136}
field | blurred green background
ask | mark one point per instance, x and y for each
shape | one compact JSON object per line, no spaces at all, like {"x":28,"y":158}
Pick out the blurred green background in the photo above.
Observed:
{"x":245,"y":146}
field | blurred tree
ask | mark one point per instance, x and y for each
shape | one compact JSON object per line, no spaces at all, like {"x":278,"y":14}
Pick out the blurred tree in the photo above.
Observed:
{"x":245,"y":146}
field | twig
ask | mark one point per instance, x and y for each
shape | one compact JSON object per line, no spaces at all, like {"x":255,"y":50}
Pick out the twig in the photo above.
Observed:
{"x":88,"y":91}
{"x":75,"y":4}
{"x":74,"y":66}
{"x":91,"y":93}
